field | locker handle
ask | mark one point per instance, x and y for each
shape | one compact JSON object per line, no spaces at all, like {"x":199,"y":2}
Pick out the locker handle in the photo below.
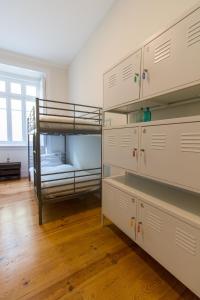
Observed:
{"x":140,"y":230}
{"x":144,"y":74}
{"x":133,"y":221}
{"x":133,"y":200}
{"x":136,"y":77}
{"x":139,"y":227}
{"x":142,"y":150}
{"x":135,"y":152}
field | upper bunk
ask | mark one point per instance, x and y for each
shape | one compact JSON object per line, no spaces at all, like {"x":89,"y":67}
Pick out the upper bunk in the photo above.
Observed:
{"x":56,"y":117}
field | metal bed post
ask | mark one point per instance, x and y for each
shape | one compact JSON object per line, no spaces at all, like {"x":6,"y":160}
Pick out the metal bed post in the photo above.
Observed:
{"x":100,"y":123}
{"x":29,"y":178}
{"x":65,"y":146}
{"x":101,"y":182}
{"x":38,"y":163}
{"x":34,"y":161}
{"x":74,"y":116}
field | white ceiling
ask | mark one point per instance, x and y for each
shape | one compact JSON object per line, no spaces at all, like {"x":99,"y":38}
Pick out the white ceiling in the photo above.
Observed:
{"x":54,"y":30}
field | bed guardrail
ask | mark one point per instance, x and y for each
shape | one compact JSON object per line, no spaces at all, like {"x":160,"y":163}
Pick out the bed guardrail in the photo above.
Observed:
{"x":74,"y":172}
{"x":76,"y":113}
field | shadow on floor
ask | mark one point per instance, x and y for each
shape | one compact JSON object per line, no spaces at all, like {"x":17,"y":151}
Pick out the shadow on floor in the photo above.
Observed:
{"x":67,"y":208}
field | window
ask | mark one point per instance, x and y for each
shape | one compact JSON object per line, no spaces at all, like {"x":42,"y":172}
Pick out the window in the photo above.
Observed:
{"x":17,"y":98}
{"x":3,"y":118}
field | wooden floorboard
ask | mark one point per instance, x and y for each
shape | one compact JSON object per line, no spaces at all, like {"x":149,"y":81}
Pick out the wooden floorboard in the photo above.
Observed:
{"x":71,"y":256}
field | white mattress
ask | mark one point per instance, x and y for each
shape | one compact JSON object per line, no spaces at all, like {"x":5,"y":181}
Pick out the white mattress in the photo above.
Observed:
{"x":53,"y":188}
{"x":66,"y":123}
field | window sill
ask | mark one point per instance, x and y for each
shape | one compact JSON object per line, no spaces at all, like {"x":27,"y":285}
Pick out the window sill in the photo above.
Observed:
{"x":13,"y":145}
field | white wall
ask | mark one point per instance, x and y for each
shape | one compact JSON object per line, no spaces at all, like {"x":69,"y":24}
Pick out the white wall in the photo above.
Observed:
{"x":56,"y":76}
{"x":56,"y":88}
{"x":84,"y":151}
{"x":127,"y":25}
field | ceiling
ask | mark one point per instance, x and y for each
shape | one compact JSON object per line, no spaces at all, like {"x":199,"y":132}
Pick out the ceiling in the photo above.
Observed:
{"x":54,"y":30}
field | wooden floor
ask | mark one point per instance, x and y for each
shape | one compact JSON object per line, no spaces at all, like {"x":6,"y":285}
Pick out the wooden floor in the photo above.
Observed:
{"x":72,"y":257}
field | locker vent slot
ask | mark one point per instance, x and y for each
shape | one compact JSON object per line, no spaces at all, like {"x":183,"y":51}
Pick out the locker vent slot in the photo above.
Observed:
{"x":193,"y":34}
{"x":125,"y":140}
{"x":162,"y":52}
{"x":154,"y":222}
{"x":186,"y":241}
{"x":112,"y":141}
{"x":190,"y":142}
{"x":127,"y":72}
{"x":158,"y":141}
{"x":123,"y":203}
{"x":112,"y":81}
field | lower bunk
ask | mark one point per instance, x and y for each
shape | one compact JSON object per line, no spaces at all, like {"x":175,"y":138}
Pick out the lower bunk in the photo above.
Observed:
{"x":66,"y":181}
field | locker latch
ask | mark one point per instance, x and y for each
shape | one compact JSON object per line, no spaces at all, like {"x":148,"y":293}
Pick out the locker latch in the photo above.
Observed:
{"x":135,"y":152}
{"x":139,"y":227}
{"x":132,"y":221}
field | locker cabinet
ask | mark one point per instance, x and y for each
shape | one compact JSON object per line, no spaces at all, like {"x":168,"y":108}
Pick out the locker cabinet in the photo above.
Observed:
{"x":175,"y":244}
{"x":171,"y":153}
{"x":110,"y":142}
{"x":121,"y":147}
{"x":163,"y":233}
{"x":184,"y":253}
{"x":172,"y":59}
{"x":152,"y":232}
{"x":120,"y":208}
{"x":111,"y":83}
{"x":122,"y":83}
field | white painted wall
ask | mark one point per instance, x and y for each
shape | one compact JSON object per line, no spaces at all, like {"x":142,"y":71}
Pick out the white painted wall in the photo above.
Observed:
{"x":56,"y":76}
{"x":56,"y":88}
{"x":127,"y":25}
{"x":84,"y":151}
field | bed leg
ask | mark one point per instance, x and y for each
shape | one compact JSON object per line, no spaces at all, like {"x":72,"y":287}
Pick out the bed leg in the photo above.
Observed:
{"x":40,"y":214}
{"x":102,"y":220}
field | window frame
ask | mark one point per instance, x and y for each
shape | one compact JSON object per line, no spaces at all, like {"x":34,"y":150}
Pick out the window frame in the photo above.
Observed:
{"x":23,"y":81}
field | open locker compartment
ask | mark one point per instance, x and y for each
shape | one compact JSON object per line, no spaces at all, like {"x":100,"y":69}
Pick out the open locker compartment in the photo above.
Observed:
{"x":166,"y":223}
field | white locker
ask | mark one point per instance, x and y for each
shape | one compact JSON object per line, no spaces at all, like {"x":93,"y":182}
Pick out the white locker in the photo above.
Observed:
{"x":172,"y":59}
{"x":122,"y":83}
{"x":110,"y":143}
{"x":184,"y":253}
{"x":130,"y":78}
{"x":120,"y":208}
{"x":165,"y":230}
{"x":121,"y":147}
{"x":111,"y":82}
{"x":152,"y":232}
{"x":175,"y":244}
{"x":171,"y":153}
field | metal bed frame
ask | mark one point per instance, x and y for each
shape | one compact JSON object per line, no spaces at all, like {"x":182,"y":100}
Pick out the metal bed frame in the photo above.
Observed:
{"x":76,"y":113}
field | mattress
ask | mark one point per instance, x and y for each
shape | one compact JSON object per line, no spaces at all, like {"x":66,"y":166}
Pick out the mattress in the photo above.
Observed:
{"x":65,"y":185}
{"x":66,"y":123}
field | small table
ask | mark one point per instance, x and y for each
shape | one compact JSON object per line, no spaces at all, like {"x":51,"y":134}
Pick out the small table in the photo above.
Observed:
{"x":10,"y":170}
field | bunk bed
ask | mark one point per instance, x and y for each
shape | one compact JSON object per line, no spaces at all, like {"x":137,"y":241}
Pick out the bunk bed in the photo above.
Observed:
{"x":61,"y":180}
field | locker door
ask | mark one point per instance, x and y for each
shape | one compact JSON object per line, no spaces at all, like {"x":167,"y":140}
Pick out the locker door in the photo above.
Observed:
{"x":120,"y":208}
{"x":129,"y":86}
{"x":108,"y":204}
{"x":172,"y":153}
{"x":111,"y":87}
{"x":172,"y":60}
{"x":110,"y":144}
{"x":152,"y":233}
{"x":184,"y":253}
{"x":128,"y":148}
